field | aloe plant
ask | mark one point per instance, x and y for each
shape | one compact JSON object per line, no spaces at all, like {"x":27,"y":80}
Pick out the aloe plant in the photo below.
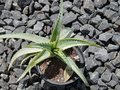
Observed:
{"x":43,"y":48}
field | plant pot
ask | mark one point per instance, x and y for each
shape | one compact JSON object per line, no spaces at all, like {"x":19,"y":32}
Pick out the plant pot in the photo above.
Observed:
{"x":74,"y":76}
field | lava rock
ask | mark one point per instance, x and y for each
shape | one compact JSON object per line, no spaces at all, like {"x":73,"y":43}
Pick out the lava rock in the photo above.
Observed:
{"x":87,"y":30}
{"x":31,"y":23}
{"x":89,"y":6}
{"x":38,"y":26}
{"x":90,"y":63}
{"x":104,"y":25}
{"x":100,"y":3}
{"x":67,"y":4}
{"x":69,"y":18}
{"x":105,"y":37}
{"x":94,"y":76}
{"x":112,"y":83}
{"x":16,"y":15}
{"x":106,"y":76}
{"x":46,"y":8}
{"x":116,"y":38}
{"x":8,"y":4}
{"x":101,"y":55}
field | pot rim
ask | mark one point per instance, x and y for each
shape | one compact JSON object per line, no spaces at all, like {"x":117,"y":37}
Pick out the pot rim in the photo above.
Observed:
{"x":81,"y":56}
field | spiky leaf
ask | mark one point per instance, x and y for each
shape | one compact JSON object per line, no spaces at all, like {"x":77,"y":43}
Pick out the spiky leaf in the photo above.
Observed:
{"x":34,"y":61}
{"x":57,"y":25}
{"x":22,"y":52}
{"x":72,"y":65}
{"x":26,"y":36}
{"x":72,"y":42}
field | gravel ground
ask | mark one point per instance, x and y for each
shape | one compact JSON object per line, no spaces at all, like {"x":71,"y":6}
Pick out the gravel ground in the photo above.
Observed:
{"x":95,"y":20}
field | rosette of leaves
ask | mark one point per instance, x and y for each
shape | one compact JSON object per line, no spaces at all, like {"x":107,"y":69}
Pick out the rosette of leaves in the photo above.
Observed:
{"x":43,"y":48}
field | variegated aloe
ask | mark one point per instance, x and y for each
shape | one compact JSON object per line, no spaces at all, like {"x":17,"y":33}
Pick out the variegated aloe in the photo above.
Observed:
{"x":43,"y":48}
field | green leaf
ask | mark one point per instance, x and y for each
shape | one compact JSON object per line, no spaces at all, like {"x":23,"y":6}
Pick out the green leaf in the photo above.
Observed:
{"x":72,"y":65}
{"x":26,"y":36}
{"x":34,"y":61}
{"x":72,"y":42}
{"x":57,"y":25}
{"x":65,"y":33}
{"x":46,"y":46}
{"x":22,"y":52}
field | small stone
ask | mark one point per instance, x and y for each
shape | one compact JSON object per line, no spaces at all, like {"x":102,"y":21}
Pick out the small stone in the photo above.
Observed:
{"x":101,"y":55}
{"x":112,"y":47}
{"x":30,"y":23}
{"x":43,"y":2}
{"x":100,"y":3}
{"x":117,"y":72}
{"x":117,"y":21}
{"x":106,"y":76}
{"x":116,"y":61}
{"x":18,"y":72}
{"x":90,"y":63}
{"x":8,"y":4}
{"x":114,"y":6}
{"x":101,"y":83}
{"x":111,"y":15}
{"x":24,"y":18}
{"x":8,"y":21}
{"x":4,"y":76}
{"x":4,"y":85}
{"x":94,"y":87}
{"x":19,"y":29}
{"x":84,"y":19}
{"x":89,"y":6}
{"x":94,"y":76}
{"x":17,"y":23}
{"x":23,"y":3}
{"x":13,"y":87}
{"x":96,"y":20}
{"x":69,"y":18}
{"x":31,"y":7}
{"x":76,"y":9}
{"x":116,"y":38}
{"x":26,"y":10}
{"x":2,"y":23}
{"x":38,"y":26}
{"x":100,"y":70}
{"x":112,"y":83}
{"x":110,"y":66}
{"x":105,"y":37}
{"x":76,"y":26}
{"x":37,"y":6}
{"x":1,"y":48}
{"x":2,"y":31}
{"x":67,"y":4}
{"x":30,"y":88}
{"x":9,"y":28}
{"x":103,"y":25}
{"x":16,"y":15}
{"x":6,"y":14}
{"x":114,"y":77}
{"x":77,"y":3}
{"x":3,"y":66}
{"x":54,"y":9}
{"x":87,"y":29}
{"x":12,"y":79}
{"x":117,"y":87}
{"x":46,"y":8}
{"x":17,"y":44}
